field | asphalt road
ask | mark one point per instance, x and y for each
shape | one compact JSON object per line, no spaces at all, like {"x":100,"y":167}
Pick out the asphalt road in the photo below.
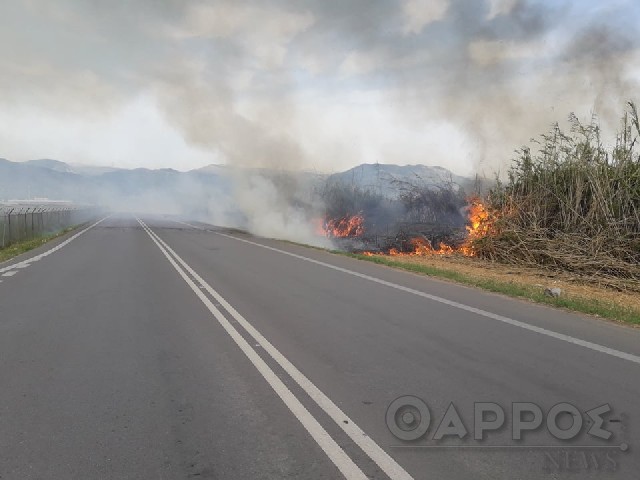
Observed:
{"x":155,"y":349}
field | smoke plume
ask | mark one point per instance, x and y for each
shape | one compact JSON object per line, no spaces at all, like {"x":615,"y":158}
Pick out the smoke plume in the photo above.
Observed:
{"x":308,"y":85}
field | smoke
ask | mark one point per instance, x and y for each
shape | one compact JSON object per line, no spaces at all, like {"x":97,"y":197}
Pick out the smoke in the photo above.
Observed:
{"x":204,"y":102}
{"x":509,"y":69}
{"x":306,"y":86}
{"x":206,"y":109}
{"x":278,"y":207}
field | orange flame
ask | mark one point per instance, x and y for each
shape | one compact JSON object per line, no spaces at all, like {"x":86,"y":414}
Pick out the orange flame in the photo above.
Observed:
{"x":344,"y":227}
{"x":479,"y":226}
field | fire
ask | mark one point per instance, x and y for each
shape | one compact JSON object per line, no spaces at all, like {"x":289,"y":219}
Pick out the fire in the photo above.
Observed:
{"x":479,"y":219}
{"x":479,"y":226}
{"x":422,"y":248}
{"x":444,"y":249}
{"x":344,"y":227}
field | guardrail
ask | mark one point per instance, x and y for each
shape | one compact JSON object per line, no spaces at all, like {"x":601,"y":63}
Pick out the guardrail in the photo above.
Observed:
{"x":18,"y":223}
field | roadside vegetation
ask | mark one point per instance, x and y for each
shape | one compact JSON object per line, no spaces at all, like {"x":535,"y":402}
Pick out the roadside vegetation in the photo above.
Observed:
{"x":566,"y":217}
{"x":24,"y":246}
{"x":572,"y":206}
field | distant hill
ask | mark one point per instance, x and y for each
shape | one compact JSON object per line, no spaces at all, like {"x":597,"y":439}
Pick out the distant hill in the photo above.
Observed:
{"x":55,"y":165}
{"x":90,"y":170}
{"x":387,"y":179}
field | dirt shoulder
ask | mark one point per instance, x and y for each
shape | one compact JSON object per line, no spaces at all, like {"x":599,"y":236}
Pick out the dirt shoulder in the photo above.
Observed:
{"x":581,"y":295}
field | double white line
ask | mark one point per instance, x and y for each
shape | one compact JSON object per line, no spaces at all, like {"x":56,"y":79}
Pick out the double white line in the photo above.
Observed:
{"x":335,"y":453}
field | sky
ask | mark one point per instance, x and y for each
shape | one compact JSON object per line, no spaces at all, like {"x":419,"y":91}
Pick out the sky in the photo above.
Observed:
{"x":318,"y":85}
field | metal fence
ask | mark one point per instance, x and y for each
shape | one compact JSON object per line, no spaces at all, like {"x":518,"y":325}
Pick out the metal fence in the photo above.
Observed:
{"x":18,"y":223}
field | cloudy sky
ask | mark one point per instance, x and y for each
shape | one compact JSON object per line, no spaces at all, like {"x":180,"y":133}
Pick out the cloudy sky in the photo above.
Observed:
{"x":314,"y":84}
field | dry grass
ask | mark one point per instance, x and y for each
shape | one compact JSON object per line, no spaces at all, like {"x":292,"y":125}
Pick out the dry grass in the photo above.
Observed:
{"x":572,"y":206}
{"x":577,"y":294}
{"x":531,"y":277}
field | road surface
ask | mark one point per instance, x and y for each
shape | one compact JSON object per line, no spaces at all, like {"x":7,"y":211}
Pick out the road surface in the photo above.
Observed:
{"x":147,"y":348}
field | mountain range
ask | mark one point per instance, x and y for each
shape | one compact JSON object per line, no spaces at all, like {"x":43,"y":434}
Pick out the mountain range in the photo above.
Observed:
{"x":58,"y":180}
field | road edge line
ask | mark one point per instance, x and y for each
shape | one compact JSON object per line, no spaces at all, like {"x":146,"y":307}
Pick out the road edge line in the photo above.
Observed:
{"x":35,"y":258}
{"x":494,"y":316}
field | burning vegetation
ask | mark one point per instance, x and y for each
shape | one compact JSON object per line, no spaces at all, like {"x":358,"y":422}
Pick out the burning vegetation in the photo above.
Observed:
{"x":345,"y":227}
{"x":423,"y":220}
{"x":421,"y":246}
{"x":415,"y":215}
{"x":572,"y":205}
{"x":478,"y":226}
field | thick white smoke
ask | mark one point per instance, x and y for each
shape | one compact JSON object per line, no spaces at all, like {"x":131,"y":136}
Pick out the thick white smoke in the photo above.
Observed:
{"x":307,"y":85}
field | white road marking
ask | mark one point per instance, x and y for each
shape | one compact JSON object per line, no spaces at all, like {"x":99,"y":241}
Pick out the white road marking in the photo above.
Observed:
{"x":10,"y":273}
{"x":360,"y":438}
{"x":189,"y":225}
{"x":542,"y":331}
{"x":335,"y":453}
{"x":25,"y":263}
{"x":370,"y":447}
